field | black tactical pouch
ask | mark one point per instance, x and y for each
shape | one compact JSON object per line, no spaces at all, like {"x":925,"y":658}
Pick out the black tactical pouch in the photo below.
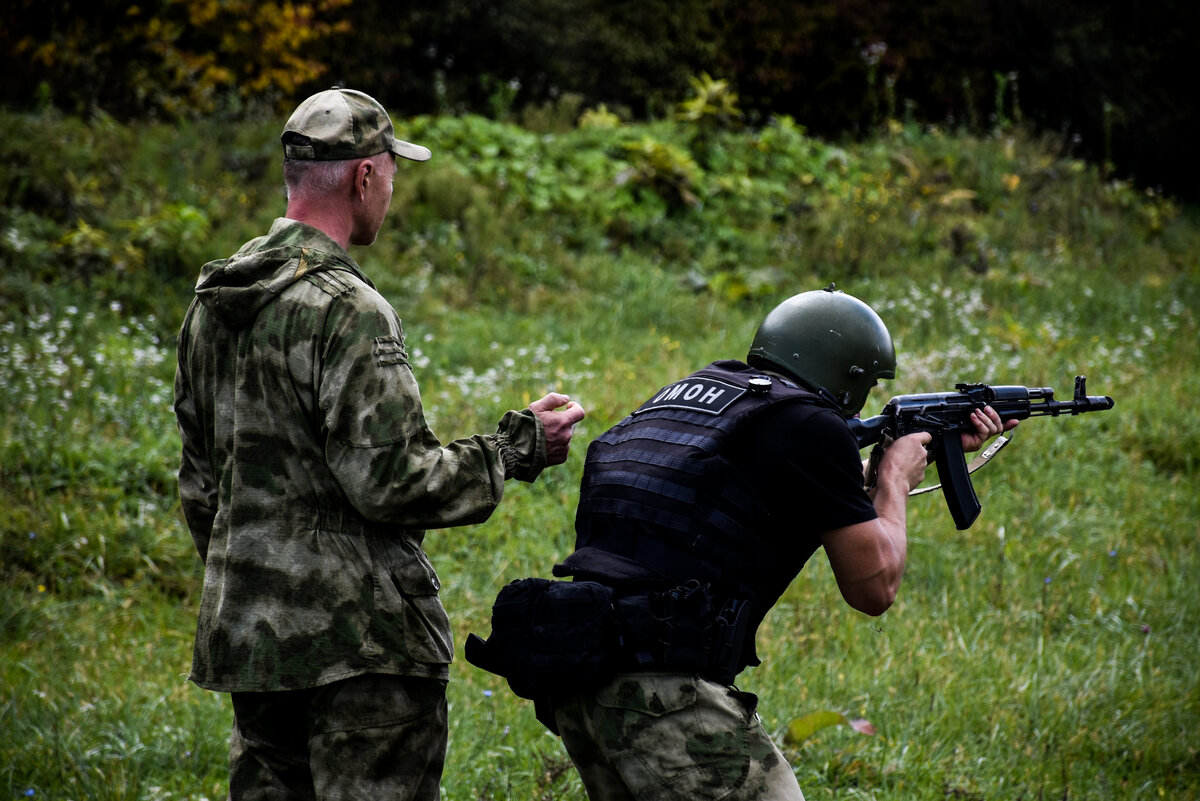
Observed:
{"x":684,"y":629}
{"x":549,"y":637}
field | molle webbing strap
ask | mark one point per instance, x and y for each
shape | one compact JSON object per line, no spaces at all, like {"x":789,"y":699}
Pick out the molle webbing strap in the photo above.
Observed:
{"x":686,"y":439}
{"x":649,"y":457}
{"x":702,"y":558}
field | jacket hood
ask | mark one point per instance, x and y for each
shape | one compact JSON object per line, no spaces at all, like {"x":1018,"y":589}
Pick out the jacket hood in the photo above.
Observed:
{"x":237,"y":288}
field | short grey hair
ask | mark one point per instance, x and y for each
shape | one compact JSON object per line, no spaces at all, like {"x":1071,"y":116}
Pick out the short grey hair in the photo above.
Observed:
{"x":308,"y":180}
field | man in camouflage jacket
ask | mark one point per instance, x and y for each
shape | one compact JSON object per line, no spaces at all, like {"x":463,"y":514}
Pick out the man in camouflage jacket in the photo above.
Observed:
{"x":308,"y":476}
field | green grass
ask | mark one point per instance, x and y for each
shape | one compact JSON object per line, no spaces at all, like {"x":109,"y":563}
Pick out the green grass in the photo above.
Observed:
{"x":1047,"y":652}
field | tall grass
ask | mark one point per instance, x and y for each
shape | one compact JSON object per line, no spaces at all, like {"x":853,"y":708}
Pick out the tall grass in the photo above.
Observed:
{"x":1047,"y":652}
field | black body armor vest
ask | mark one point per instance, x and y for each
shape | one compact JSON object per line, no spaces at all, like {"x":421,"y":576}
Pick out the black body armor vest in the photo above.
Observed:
{"x":661,"y":505}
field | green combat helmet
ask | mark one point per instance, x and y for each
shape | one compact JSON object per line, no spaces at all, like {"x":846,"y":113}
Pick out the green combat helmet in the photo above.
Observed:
{"x":827,"y":340}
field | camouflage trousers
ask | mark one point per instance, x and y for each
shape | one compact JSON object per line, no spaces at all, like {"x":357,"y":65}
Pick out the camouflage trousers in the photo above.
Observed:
{"x":672,"y":736}
{"x":368,"y":737}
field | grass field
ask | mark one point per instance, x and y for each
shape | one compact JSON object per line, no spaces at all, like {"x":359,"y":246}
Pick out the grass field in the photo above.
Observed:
{"x":1048,"y":652}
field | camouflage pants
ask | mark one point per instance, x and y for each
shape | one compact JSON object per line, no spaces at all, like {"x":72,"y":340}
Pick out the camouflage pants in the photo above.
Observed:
{"x":673,"y":736}
{"x":376,"y":737}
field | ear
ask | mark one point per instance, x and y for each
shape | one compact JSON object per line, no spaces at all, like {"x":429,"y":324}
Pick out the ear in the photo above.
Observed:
{"x":363,"y":173}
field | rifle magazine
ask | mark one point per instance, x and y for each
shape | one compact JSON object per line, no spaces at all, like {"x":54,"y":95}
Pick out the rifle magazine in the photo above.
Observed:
{"x":985,"y":456}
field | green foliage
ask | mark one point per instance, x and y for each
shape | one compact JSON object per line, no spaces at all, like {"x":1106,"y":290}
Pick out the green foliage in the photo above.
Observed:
{"x":124,"y":212}
{"x":599,"y":117}
{"x":667,"y":172}
{"x":1102,"y":73}
{"x":1045,"y":652}
{"x":713,"y":104}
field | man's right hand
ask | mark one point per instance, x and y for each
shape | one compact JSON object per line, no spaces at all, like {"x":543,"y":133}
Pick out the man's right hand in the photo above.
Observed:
{"x":559,"y":424}
{"x":905,"y":460}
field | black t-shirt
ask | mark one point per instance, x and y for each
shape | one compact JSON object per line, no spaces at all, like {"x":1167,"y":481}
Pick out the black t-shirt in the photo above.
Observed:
{"x":806,"y":465}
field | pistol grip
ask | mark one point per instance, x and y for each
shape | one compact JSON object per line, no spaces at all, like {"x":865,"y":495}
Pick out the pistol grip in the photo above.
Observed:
{"x":955,"y":478}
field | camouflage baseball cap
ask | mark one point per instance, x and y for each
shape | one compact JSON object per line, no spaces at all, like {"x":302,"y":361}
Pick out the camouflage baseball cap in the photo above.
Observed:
{"x":342,"y":124}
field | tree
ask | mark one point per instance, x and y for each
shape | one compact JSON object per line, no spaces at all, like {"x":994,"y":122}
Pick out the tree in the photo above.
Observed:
{"x":171,"y":58}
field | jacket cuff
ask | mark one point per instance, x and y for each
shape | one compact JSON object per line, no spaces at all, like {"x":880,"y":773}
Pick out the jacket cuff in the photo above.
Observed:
{"x":522,"y":441}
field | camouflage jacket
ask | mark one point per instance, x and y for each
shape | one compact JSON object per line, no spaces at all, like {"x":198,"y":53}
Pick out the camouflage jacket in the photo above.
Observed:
{"x":309,"y":474}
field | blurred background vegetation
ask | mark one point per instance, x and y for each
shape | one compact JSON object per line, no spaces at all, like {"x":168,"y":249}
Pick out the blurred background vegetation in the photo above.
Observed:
{"x":618,"y":192}
{"x":1107,"y":77}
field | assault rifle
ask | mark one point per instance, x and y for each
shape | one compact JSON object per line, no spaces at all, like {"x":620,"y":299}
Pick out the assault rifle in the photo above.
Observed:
{"x":947,"y":414}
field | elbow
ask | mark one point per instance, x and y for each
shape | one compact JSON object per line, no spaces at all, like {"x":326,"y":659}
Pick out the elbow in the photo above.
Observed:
{"x":873,"y":599}
{"x":876,"y":606}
